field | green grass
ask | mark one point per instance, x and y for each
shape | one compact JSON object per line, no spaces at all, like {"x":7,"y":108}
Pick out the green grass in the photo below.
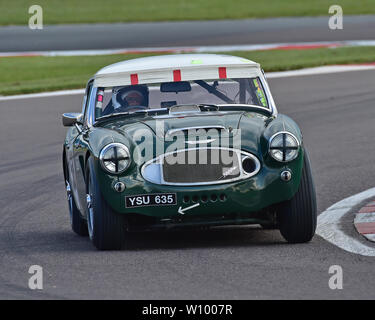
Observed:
{"x":89,"y":11}
{"x":36,"y":74}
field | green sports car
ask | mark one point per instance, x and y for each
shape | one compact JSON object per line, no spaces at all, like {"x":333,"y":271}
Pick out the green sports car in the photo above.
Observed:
{"x":184,"y":141}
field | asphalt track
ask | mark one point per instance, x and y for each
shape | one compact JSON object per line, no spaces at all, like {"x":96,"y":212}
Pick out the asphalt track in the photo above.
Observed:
{"x":336,"y":113}
{"x":189,"y":33}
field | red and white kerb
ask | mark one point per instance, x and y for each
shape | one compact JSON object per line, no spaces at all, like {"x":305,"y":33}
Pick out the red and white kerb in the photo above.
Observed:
{"x":365,"y":221}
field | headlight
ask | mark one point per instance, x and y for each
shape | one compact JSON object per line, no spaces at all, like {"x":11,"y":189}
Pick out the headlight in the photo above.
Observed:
{"x":283,"y":146}
{"x":115,"y":158}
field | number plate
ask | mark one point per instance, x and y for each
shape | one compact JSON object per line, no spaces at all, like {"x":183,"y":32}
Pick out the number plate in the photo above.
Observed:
{"x":153,"y":199}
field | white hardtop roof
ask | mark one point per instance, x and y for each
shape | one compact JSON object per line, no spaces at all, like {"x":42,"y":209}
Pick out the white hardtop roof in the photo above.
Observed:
{"x":174,"y":61}
{"x":177,"y":67}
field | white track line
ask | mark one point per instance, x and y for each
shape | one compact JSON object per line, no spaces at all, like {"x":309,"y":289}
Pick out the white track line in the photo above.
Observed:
{"x":320,"y":70}
{"x":370,"y":237}
{"x":329,"y":224}
{"x":43,"y":94}
{"x":269,"y":75}
{"x":195,"y":49}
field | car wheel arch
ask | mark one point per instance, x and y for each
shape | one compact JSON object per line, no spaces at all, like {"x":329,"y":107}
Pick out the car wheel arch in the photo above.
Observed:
{"x":87,"y":156}
{"x":65,"y":165}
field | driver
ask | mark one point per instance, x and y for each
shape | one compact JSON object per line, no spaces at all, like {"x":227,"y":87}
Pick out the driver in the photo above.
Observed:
{"x":133,"y":98}
{"x":130,"y":98}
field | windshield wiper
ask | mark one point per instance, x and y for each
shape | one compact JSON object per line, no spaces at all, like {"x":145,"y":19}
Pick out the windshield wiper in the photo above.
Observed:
{"x":205,"y":106}
{"x":244,"y":107}
{"x":118,"y":114}
{"x":133,"y":113}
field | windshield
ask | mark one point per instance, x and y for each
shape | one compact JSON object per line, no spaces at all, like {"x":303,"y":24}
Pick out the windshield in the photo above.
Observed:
{"x":135,"y":98}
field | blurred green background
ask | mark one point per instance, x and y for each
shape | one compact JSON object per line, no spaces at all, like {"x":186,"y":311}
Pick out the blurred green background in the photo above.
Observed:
{"x":35,"y":74}
{"x":90,"y":11}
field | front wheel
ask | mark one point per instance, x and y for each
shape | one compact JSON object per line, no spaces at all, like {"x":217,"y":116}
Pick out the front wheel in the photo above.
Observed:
{"x":298,"y":216}
{"x":106,"y":228}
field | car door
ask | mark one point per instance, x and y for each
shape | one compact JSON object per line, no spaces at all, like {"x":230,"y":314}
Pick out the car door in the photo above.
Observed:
{"x":79,"y":150}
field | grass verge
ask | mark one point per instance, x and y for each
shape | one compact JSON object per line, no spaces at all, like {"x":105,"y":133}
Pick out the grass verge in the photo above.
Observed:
{"x":38,"y":74}
{"x":92,"y":11}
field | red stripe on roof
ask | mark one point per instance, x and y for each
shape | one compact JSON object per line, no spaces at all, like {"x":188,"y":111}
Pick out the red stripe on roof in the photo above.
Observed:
{"x":222,"y":73}
{"x":134,"y":78}
{"x":176,"y":75}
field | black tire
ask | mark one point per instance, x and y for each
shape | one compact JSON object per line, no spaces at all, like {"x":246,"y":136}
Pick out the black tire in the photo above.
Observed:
{"x":298,"y":216}
{"x":77,"y":222}
{"x":106,"y":228}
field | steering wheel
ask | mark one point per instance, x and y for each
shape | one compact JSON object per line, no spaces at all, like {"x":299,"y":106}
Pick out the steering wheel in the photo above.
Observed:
{"x":130,"y":109}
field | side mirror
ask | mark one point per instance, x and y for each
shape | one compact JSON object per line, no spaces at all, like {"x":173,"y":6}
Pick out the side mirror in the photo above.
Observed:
{"x":71,"y":119}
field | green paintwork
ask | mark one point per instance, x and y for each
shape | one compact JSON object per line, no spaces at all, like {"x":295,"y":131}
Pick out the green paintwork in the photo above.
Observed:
{"x":242,"y":197}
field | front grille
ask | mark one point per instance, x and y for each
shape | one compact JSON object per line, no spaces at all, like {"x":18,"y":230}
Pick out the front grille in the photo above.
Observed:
{"x":201,"y":165}
{"x":196,"y":166}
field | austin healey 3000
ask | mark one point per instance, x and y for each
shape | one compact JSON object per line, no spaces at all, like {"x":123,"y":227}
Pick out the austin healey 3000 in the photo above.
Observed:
{"x":184,"y":141}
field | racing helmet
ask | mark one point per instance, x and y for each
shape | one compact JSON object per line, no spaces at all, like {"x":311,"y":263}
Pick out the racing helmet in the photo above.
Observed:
{"x":123,"y":97}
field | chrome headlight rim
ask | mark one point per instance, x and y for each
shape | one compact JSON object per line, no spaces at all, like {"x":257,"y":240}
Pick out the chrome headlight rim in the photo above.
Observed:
{"x":103,"y":160}
{"x":296,"y":147}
